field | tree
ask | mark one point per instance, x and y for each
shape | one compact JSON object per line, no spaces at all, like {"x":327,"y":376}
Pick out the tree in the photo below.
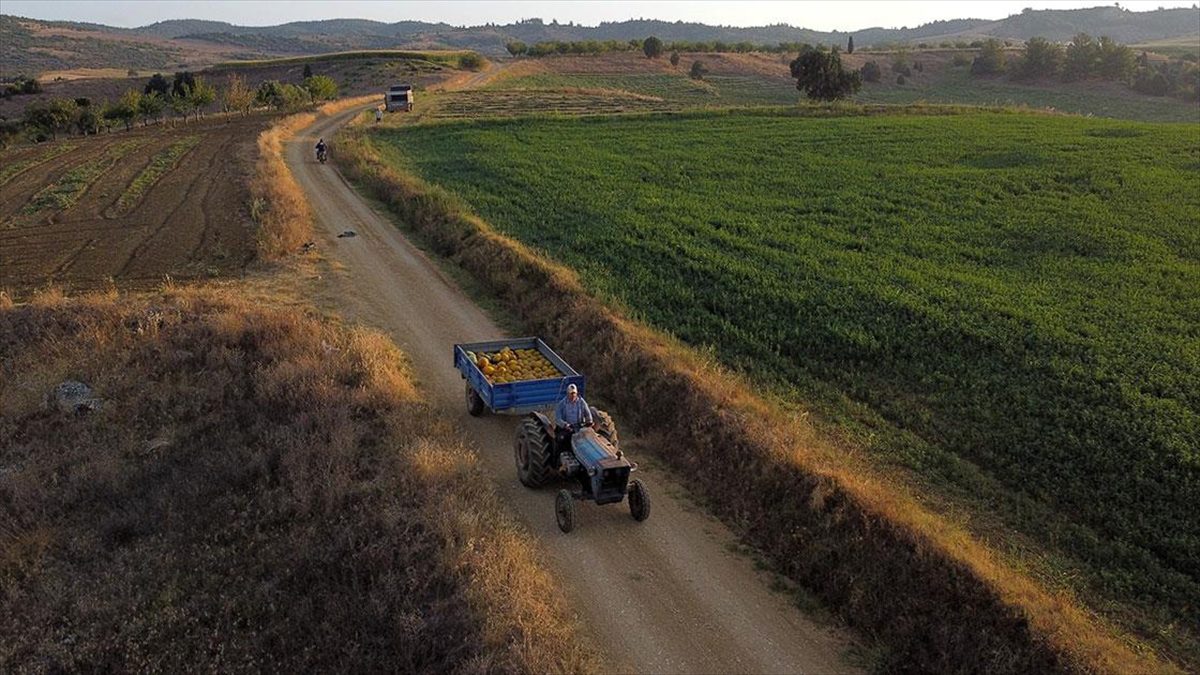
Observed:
{"x":1116,"y":60}
{"x":990,"y":60}
{"x":87,"y":120}
{"x":158,"y":85}
{"x":180,"y":105}
{"x":1042,"y":58}
{"x":870,"y":72}
{"x":321,"y":87}
{"x":125,"y":109}
{"x":150,"y":106}
{"x":236,"y":96}
{"x":50,"y":116}
{"x":850,"y":45}
{"x":820,"y":75}
{"x":1082,"y":57}
{"x":182,"y":82}
{"x":199,"y":96}
{"x":516,"y":48}
{"x":675,"y":59}
{"x":9,"y":131}
{"x":698,"y":71}
{"x":652,"y":47}
{"x":307,"y":71}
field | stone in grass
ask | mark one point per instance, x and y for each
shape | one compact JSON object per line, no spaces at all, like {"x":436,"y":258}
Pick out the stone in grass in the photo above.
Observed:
{"x":73,"y":396}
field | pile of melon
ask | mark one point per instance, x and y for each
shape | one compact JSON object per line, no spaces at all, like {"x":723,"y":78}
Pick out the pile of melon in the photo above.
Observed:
{"x":514,"y":365}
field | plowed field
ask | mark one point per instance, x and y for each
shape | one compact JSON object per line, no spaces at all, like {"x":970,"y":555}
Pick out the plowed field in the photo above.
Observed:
{"x":130,"y":206}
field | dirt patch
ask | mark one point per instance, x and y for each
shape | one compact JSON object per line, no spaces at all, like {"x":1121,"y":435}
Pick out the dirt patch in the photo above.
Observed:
{"x":193,"y":221}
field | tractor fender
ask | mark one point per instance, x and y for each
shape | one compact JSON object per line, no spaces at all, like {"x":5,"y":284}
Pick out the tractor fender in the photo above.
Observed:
{"x":544,"y":421}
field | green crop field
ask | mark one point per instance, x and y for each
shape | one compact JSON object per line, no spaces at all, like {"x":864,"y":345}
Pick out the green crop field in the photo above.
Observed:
{"x":1004,"y":308}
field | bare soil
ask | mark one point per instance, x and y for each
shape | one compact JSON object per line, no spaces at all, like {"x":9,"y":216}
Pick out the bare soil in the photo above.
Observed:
{"x":193,"y":222}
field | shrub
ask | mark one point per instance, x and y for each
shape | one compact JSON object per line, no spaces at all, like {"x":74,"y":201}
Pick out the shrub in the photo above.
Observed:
{"x":990,"y":60}
{"x":961,"y":60}
{"x":307,"y":71}
{"x":470,"y":61}
{"x":870,"y":72}
{"x":516,"y":48}
{"x":321,"y":87}
{"x":900,"y":79}
{"x":674,"y":58}
{"x":652,"y":47}
{"x":698,"y":71}
{"x":158,"y":84}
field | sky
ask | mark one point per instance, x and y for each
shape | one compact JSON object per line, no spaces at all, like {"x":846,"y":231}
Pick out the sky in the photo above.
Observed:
{"x":826,"y":16}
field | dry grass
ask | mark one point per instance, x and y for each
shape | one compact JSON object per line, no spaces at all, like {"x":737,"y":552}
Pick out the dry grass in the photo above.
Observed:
{"x":260,"y":490}
{"x":938,"y":599}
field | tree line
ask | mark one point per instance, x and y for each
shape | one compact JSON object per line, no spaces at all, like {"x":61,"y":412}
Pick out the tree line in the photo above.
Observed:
{"x":1085,"y":57}
{"x":184,"y":97}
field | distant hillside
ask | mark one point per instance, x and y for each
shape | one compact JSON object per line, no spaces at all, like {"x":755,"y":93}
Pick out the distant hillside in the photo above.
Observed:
{"x":29,"y":45}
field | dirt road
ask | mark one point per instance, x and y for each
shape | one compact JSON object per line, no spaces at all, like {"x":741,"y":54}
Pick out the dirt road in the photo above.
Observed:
{"x":664,"y":596}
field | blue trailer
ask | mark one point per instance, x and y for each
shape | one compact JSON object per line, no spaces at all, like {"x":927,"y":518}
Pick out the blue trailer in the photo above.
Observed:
{"x":513,"y":397}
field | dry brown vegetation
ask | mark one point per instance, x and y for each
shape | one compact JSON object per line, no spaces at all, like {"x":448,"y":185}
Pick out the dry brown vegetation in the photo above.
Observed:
{"x":937,"y":598}
{"x":259,"y":489}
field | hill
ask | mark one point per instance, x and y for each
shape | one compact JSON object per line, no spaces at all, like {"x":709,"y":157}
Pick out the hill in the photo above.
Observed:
{"x":68,"y":45}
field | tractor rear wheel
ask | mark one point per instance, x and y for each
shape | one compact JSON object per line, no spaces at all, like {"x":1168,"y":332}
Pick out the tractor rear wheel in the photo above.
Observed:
{"x":639,"y":500}
{"x":475,"y":405}
{"x":533,"y":450}
{"x":564,"y":510}
{"x":605,"y":426}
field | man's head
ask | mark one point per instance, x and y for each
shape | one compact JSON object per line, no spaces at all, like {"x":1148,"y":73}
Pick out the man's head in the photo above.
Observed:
{"x":572,"y":392}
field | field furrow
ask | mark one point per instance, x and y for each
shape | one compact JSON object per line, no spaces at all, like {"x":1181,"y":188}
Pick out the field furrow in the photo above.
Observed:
{"x":163,"y":162}
{"x":11,"y":171}
{"x":66,"y":191}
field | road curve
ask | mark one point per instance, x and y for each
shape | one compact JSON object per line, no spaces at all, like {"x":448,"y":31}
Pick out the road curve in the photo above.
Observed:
{"x":664,"y":596}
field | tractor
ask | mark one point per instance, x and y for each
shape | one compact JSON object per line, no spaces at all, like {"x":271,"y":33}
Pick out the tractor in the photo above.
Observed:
{"x":590,"y":459}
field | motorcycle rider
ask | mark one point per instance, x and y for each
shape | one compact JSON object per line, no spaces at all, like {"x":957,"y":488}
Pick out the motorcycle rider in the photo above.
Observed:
{"x":321,"y":148}
{"x":571,"y":414}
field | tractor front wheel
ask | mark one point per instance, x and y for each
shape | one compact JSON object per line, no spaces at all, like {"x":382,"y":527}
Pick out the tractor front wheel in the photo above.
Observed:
{"x":639,"y":501}
{"x":533,"y":451}
{"x":564,"y":510}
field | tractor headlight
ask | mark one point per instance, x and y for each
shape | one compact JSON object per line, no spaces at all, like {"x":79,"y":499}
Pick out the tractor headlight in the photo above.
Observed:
{"x":591,"y":472}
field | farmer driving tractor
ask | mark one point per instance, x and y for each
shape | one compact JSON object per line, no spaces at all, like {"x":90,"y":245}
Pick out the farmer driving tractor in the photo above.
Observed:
{"x":570,"y":415}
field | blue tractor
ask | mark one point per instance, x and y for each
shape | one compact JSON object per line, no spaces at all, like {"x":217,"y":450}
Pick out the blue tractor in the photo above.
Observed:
{"x":589,"y":458}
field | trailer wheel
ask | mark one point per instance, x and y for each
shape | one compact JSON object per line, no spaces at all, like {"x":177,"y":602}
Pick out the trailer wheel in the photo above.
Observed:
{"x":605,"y":426}
{"x":533,"y":449}
{"x":564,"y":510}
{"x":639,"y":500}
{"x":475,"y":405}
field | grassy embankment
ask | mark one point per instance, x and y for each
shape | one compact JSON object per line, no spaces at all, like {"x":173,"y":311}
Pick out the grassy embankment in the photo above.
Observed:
{"x":1002,"y":306}
{"x":258,"y":488}
{"x":917,"y":581}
